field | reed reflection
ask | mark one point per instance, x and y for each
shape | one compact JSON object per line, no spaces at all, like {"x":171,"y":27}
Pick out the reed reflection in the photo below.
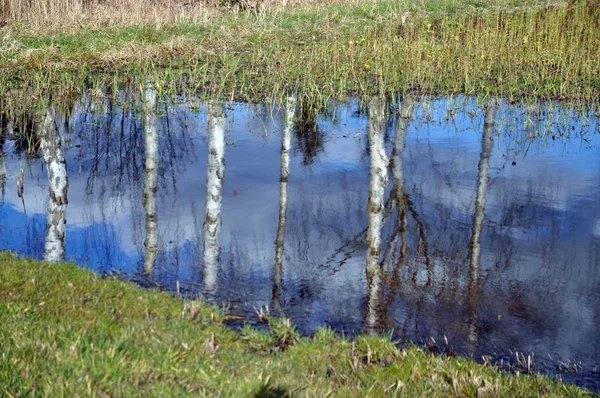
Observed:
{"x":483,"y":176}
{"x":286,"y":140}
{"x":56,"y":166}
{"x":150,"y":181}
{"x":309,"y":137}
{"x":378,"y":179}
{"x":214,"y":186}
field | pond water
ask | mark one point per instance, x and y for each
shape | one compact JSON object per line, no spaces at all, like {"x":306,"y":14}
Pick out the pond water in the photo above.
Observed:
{"x":476,"y":226}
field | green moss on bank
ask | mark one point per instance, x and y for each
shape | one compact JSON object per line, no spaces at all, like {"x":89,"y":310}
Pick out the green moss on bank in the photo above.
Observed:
{"x":65,"y":331}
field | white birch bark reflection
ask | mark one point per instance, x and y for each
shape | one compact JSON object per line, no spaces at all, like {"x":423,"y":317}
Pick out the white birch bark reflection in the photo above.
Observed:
{"x":54,"y":158}
{"x":377,"y":182}
{"x":483,"y":176}
{"x":150,"y":181}
{"x":286,"y":140}
{"x":214,"y":185}
{"x":397,"y":195}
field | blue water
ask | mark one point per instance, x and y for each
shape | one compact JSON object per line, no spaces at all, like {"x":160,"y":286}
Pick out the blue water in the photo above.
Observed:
{"x":539,"y":279}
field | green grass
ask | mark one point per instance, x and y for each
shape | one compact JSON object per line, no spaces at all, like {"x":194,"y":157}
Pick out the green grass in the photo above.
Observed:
{"x":516,"y":49}
{"x":65,"y":331}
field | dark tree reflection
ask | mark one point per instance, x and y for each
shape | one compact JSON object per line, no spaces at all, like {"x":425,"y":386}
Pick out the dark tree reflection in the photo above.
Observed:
{"x":483,"y":176}
{"x":309,"y":137}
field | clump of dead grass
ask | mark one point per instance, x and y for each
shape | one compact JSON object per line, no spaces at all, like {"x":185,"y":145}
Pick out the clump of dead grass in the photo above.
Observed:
{"x":9,"y":45}
{"x":79,"y":13}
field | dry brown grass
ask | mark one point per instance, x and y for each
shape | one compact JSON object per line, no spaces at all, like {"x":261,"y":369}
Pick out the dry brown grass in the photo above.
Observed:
{"x":103,"y":13}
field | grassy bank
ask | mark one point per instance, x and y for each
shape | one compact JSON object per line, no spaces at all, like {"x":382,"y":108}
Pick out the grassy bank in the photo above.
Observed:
{"x":510,"y":48}
{"x":65,"y":331}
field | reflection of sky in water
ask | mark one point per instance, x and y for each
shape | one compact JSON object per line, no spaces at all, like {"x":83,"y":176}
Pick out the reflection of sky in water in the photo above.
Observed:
{"x":540,"y":262}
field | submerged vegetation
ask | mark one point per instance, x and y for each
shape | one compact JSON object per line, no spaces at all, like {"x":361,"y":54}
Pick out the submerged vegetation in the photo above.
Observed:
{"x":320,"y":51}
{"x":66,"y":331}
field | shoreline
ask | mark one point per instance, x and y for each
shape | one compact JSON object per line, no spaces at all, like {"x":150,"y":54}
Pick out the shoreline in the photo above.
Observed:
{"x":324,"y":51}
{"x":69,"y":331}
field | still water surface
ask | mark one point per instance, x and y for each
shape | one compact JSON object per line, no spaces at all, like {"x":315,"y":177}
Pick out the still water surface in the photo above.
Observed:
{"x":438,"y":219}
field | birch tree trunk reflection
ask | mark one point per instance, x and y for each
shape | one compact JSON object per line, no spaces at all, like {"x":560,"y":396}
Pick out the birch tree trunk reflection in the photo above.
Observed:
{"x":54,"y":158}
{"x":480,"y":199}
{"x":3,"y":170}
{"x":3,"y":132}
{"x":150,"y":181}
{"x":398,"y":195}
{"x":214,"y":185}
{"x":375,"y":207}
{"x":286,"y":140}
